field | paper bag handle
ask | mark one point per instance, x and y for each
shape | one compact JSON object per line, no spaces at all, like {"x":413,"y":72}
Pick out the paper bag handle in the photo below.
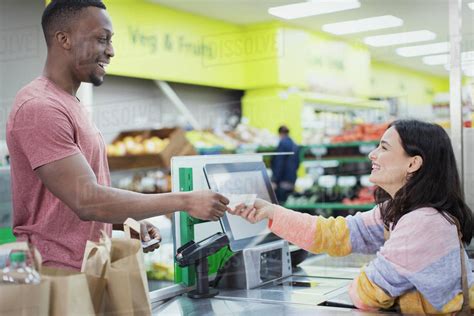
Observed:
{"x":97,"y":267}
{"x":131,"y":224}
{"x":104,"y":266}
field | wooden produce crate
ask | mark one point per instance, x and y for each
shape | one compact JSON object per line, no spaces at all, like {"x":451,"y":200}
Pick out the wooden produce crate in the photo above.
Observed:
{"x":178,"y":146}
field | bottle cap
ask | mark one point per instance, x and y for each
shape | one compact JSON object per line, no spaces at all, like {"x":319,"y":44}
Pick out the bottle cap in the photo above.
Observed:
{"x":17,"y":257}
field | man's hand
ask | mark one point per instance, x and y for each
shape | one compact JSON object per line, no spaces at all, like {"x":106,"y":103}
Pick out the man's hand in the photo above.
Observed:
{"x":149,"y":231}
{"x":259,"y":211}
{"x":206,"y":205}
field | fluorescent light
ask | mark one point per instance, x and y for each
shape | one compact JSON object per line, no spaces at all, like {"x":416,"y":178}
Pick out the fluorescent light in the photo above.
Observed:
{"x":467,"y":68}
{"x":363,"y":25}
{"x":436,"y":59}
{"x":314,"y":7}
{"x":469,"y":72}
{"x":420,"y":50}
{"x":468,"y":56}
{"x":443,"y":59}
{"x":471,"y":5}
{"x":399,"y":38}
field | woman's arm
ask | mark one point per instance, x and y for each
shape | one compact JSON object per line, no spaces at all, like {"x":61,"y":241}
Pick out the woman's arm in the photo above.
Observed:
{"x":335,"y":236}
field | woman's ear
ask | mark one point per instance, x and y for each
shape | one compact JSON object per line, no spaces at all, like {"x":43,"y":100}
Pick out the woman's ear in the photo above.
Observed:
{"x":415,"y":164}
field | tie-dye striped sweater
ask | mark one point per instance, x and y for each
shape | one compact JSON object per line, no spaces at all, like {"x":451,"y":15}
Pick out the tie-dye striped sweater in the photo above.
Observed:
{"x":418,"y":267}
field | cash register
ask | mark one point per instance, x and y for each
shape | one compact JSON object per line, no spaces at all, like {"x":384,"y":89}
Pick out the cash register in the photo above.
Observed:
{"x":259,"y":255}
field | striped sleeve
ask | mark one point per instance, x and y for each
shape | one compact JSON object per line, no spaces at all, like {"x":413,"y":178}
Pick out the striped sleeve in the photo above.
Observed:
{"x":313,"y":233}
{"x":423,"y":277}
{"x":362,"y":233}
{"x":366,"y":230}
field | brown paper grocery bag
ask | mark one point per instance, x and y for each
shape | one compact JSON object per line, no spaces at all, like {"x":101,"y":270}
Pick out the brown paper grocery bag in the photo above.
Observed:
{"x":24,"y":299}
{"x":72,"y":292}
{"x":127,"y":284}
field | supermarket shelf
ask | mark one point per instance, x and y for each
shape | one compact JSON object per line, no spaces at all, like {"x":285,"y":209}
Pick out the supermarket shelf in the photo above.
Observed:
{"x":209,"y":150}
{"x":331,"y":206}
{"x":261,"y":149}
{"x":343,"y":102}
{"x":351,"y":159}
{"x":337,"y":145}
{"x":222,"y":150}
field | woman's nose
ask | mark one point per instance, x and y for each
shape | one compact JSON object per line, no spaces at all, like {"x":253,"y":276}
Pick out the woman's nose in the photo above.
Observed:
{"x":372,"y":154}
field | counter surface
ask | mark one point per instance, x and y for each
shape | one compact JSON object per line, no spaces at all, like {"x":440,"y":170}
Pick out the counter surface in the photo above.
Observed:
{"x":324,"y":281}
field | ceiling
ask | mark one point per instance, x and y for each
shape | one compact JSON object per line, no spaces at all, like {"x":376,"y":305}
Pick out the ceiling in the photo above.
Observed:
{"x":429,"y":15}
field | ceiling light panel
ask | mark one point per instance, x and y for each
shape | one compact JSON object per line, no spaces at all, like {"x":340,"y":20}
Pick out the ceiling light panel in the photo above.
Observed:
{"x":421,"y":50}
{"x":443,"y":59}
{"x":363,"y":25}
{"x":399,"y":38}
{"x":469,"y":72}
{"x":314,"y":7}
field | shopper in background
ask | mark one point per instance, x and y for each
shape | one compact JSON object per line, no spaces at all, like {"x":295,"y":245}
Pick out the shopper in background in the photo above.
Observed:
{"x":284,"y":167}
{"x":60,"y":176}
{"x":413,"y":229}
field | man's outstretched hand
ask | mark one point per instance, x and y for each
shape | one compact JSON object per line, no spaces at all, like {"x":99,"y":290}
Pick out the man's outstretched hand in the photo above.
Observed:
{"x":206,"y":205}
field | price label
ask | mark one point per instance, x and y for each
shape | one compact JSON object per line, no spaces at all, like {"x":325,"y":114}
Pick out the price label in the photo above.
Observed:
{"x":366,"y":149}
{"x":319,"y":151}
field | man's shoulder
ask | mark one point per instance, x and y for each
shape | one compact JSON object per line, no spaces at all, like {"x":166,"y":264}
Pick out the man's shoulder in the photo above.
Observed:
{"x":35,"y":96}
{"x":32,"y":104}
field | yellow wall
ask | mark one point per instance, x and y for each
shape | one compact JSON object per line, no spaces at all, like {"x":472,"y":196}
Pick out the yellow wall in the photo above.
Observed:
{"x":414,"y":88}
{"x":269,"y":108}
{"x":315,"y":62}
{"x":156,"y":42}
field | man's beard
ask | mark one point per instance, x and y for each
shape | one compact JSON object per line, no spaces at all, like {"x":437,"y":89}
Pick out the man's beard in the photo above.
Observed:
{"x":95,"y":80}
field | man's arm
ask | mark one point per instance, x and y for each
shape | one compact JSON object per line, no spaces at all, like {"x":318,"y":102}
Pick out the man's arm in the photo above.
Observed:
{"x":72,"y":180}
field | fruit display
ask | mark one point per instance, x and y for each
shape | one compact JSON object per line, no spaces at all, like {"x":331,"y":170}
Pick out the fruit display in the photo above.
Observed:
{"x":149,"y":148}
{"x":143,"y":181}
{"x":159,"y":264}
{"x":208,"y":139}
{"x":160,"y":271}
{"x":364,"y":132}
{"x":137,"y":145}
{"x":328,"y":188}
{"x":243,"y":138}
{"x":364,"y":195}
{"x":245,"y":134}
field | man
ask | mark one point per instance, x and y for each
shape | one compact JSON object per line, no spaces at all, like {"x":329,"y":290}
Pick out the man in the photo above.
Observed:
{"x":284,"y":167}
{"x":60,"y":176}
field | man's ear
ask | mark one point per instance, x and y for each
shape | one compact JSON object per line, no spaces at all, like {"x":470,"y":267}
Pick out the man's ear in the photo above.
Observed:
{"x":63,"y":39}
{"x":415,"y":164}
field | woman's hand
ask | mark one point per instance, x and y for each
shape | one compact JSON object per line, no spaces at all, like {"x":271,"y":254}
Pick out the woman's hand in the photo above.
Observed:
{"x":259,"y":211}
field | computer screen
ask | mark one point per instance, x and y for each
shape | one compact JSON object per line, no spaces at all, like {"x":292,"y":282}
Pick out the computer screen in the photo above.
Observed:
{"x":242,"y":178}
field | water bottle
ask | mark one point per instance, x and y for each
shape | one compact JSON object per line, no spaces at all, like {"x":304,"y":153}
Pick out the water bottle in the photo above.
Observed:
{"x":18,"y":272}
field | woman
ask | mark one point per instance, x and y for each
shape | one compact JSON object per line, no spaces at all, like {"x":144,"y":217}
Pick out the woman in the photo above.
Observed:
{"x":419,"y":201}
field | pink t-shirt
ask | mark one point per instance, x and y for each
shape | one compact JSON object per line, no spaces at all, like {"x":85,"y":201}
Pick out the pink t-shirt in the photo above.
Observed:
{"x":47,"y":124}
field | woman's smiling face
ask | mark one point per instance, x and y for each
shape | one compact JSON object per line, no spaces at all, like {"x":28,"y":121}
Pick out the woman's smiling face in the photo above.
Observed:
{"x":390,"y":163}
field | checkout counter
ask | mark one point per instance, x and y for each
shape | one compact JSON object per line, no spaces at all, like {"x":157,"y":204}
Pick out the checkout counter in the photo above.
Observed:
{"x":251,"y":269}
{"x":318,"y":287}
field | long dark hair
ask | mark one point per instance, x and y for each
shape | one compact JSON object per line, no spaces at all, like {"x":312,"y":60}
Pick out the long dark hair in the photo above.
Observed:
{"x":436,"y":184}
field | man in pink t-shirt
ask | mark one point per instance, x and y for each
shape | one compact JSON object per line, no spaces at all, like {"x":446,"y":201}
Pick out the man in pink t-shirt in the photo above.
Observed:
{"x":60,"y":176}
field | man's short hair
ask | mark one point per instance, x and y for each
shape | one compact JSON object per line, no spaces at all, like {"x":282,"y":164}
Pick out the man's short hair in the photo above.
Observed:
{"x":59,"y":13}
{"x":283,"y":130}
